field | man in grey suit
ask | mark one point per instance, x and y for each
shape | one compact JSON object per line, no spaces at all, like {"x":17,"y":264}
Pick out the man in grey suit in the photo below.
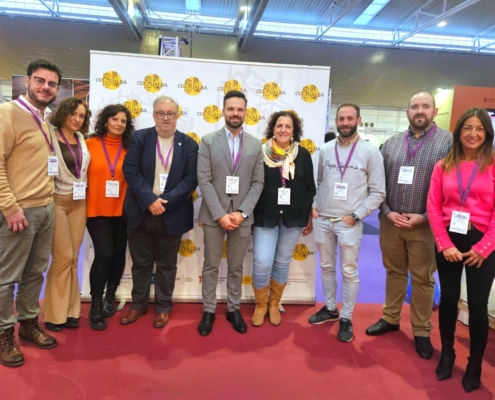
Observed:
{"x":230,"y":176}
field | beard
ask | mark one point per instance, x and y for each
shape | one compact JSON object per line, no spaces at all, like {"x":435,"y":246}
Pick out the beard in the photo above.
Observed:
{"x":351,"y":132}
{"x":39,"y":101}
{"x":234,"y":125}
{"x":420,"y":126}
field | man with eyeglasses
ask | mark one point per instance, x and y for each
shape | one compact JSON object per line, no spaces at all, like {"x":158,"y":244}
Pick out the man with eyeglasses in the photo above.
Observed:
{"x":231,"y":177}
{"x":160,"y":169}
{"x":27,"y":166}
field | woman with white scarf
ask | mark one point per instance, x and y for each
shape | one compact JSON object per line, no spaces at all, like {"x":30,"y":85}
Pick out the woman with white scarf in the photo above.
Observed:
{"x":282,"y":213}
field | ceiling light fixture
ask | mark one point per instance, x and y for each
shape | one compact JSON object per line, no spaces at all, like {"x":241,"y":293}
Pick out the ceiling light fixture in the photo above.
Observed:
{"x":370,"y":12}
{"x":441,"y":24}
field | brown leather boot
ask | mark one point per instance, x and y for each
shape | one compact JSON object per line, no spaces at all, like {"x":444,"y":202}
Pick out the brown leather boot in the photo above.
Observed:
{"x":31,"y":331}
{"x":276,"y":291}
{"x":261,"y":299}
{"x":10,"y":355}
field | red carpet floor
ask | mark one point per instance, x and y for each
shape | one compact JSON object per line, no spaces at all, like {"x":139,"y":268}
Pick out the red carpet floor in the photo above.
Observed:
{"x":293,"y":361}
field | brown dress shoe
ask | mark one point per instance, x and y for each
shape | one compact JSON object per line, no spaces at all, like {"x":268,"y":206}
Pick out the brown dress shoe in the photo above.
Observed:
{"x":10,"y":355}
{"x":161,"y":320}
{"x":132,"y":316}
{"x":31,"y":331}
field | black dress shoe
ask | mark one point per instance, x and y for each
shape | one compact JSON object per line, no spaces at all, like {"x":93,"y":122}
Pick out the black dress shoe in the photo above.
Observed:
{"x":206,"y":324}
{"x":235,"y":318}
{"x":445,"y":365}
{"x":381,"y":328}
{"x":423,"y":347}
{"x":54,"y":327}
{"x":71,"y":323}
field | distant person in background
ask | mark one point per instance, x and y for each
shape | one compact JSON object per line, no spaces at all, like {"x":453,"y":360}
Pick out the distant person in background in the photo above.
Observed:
{"x":62,"y":302}
{"x":283,"y":211}
{"x":105,"y":199}
{"x":330,"y":136}
{"x":461,"y":210}
{"x":405,"y":236}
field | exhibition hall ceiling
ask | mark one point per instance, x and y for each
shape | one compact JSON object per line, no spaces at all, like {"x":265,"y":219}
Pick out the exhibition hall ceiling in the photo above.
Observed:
{"x":433,"y":25}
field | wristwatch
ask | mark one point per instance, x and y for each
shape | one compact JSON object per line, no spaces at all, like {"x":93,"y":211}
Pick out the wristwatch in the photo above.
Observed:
{"x":244,"y":215}
{"x":355,"y":217}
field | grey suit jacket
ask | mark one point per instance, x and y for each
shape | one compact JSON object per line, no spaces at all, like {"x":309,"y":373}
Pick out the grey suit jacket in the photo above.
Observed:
{"x":215,"y":164}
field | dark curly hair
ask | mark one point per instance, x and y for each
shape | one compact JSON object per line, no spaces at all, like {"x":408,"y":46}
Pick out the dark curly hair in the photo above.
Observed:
{"x":65,"y":109}
{"x":296,"y":122}
{"x":111,"y":111}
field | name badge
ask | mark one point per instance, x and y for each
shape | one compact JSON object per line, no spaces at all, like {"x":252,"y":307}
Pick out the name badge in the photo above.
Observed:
{"x":79,"y":191}
{"x":232,"y":185}
{"x":52,"y":166}
{"x":284,"y":196}
{"x":112,"y":189}
{"x":340,"y":191}
{"x":406,"y":175}
{"x":163,"y":181}
{"x":459,"y":222}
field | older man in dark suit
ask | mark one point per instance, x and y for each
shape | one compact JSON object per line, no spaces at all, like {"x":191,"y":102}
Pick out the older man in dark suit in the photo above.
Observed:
{"x":231,"y":178}
{"x":160,"y":169}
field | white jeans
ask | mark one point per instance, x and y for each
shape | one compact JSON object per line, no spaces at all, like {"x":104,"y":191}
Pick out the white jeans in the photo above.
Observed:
{"x":327,"y":236}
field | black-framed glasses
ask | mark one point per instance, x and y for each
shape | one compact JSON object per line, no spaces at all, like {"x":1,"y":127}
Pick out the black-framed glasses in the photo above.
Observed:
{"x":41,"y":82}
{"x":162,"y":115}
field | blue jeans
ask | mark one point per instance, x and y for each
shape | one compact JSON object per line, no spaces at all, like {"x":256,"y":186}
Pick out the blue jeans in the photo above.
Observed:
{"x":273,"y":248}
{"x":329,"y":235}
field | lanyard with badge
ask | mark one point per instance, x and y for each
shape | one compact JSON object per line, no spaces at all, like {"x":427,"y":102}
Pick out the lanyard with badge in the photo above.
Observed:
{"x":52,"y":159}
{"x":283,"y":192}
{"x":164,"y":177}
{"x":406,"y":173}
{"x":340,"y":188}
{"x":232,"y":182}
{"x":78,"y":188}
{"x":112,"y":187}
{"x":460,"y":220}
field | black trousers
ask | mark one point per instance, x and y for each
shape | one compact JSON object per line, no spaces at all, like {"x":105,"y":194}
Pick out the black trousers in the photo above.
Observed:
{"x":150,"y":244}
{"x":478,"y":281}
{"x":109,"y":235}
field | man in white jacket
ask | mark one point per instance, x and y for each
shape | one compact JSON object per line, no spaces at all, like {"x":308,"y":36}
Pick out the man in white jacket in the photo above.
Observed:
{"x":351,"y":185}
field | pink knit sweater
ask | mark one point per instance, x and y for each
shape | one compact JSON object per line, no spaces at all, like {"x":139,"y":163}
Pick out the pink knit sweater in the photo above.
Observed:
{"x":444,"y":197}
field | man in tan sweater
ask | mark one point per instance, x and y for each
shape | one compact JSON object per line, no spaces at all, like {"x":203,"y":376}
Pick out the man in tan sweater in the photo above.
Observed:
{"x":27,"y":167}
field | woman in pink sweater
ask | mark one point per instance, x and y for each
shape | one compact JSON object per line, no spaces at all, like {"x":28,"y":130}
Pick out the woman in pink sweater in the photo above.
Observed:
{"x":461,"y":205}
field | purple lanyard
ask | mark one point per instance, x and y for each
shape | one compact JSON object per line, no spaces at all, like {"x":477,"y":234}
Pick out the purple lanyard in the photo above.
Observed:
{"x":410,"y":154}
{"x":282,"y":176}
{"x":114,"y":165}
{"x":464,"y":193}
{"x":77,"y":163}
{"x":169,"y":152}
{"x":38,"y":122}
{"x":342,"y":173}
{"x":235,"y":159}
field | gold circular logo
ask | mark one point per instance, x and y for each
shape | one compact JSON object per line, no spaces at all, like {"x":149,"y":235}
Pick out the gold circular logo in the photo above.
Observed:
{"x":309,"y":145}
{"x":152,"y":83}
{"x":301,"y":252}
{"x":111,"y":80}
{"x":264,"y":140}
{"x":231,"y":85}
{"x":224,"y":252}
{"x":271,"y":91}
{"x":310,"y":93}
{"x":134,"y":108}
{"x":212,"y":114}
{"x":179,"y":111}
{"x":195,"y":195}
{"x":193,"y":86}
{"x":194,"y":136}
{"x":186,"y":248}
{"x":252,"y":116}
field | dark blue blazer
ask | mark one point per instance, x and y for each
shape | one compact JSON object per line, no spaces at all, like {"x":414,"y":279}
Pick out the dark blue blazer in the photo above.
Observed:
{"x":139,"y":172}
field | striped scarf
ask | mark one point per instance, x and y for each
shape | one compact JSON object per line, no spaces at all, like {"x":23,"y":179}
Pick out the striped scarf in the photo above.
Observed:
{"x":275,"y":157}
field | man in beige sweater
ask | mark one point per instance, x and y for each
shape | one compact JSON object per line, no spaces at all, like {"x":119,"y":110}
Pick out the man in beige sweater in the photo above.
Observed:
{"x":27,"y":167}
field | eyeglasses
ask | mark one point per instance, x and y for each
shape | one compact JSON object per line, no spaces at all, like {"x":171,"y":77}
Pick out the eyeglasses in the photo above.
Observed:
{"x":41,"y":82}
{"x":162,"y":115}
